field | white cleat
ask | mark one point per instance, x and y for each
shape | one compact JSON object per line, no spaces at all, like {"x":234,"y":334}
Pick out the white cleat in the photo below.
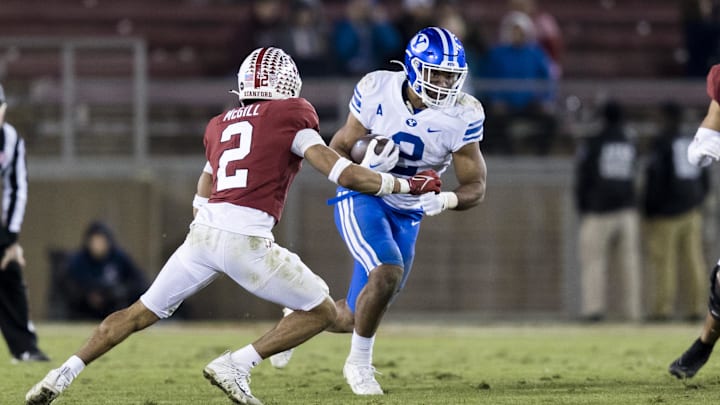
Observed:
{"x":280,"y":360}
{"x":44,"y":392}
{"x":361,"y":379}
{"x":234,"y":382}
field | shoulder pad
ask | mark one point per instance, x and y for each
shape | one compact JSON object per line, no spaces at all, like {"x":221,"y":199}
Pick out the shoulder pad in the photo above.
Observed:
{"x":467,"y":100}
{"x":368,"y":83}
{"x":468,"y":108}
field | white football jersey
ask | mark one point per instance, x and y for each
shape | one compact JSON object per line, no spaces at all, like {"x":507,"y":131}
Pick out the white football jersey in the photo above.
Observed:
{"x":427,"y":138}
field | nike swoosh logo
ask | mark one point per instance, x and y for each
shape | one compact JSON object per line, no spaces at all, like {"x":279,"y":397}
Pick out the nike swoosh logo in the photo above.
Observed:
{"x":374,"y":166}
{"x":430,"y":130}
{"x":414,"y":223}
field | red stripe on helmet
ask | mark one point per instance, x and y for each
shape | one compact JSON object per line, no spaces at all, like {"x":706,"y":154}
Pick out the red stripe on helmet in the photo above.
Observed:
{"x":258,"y":63}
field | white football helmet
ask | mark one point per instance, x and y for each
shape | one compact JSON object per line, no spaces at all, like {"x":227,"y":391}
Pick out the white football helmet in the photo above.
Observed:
{"x":268,"y":74}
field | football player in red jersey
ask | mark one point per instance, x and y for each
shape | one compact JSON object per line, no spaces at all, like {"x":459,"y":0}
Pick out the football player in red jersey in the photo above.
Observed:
{"x":705,"y":149}
{"x":253,"y":153}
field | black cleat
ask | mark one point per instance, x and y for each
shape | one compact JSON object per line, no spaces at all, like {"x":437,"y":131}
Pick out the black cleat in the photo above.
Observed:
{"x":31,"y":356}
{"x":687,"y":365}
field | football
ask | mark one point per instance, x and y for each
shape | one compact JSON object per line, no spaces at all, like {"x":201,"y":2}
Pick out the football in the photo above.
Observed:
{"x":357,"y":153}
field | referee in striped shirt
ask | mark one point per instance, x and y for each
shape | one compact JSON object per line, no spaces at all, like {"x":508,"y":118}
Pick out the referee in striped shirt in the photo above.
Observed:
{"x":15,"y":321}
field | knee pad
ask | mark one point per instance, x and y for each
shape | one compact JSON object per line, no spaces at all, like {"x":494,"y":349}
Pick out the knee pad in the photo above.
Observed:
{"x":714,"y":303}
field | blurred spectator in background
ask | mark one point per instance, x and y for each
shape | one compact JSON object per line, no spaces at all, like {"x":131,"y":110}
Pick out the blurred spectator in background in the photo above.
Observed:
{"x":547,"y":32}
{"x":15,"y":324}
{"x":305,"y":38}
{"x":364,"y":39}
{"x":416,"y":15}
{"x":268,"y":22}
{"x":266,"y":26}
{"x":519,"y":58}
{"x":674,"y":193}
{"x":101,"y":277}
{"x":450,"y":17}
{"x":605,"y":197}
{"x":701,"y":22}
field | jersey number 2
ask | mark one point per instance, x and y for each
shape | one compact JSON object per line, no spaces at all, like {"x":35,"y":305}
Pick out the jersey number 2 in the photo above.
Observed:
{"x":418,"y":147}
{"x":239,"y":178}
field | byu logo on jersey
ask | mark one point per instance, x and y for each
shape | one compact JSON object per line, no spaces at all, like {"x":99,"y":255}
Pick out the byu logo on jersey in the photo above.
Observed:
{"x":420,"y":43}
{"x":411,"y":122}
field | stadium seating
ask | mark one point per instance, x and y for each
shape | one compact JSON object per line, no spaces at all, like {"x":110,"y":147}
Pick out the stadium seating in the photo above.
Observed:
{"x":193,"y":40}
{"x":604,"y":38}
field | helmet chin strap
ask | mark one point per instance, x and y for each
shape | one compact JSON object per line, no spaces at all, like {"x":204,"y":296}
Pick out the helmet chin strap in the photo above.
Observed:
{"x":407,"y":92}
{"x":401,"y":65}
{"x":239,"y":95}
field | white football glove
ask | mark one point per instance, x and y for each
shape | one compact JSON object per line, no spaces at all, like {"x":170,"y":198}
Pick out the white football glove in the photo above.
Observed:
{"x":433,"y":204}
{"x":383,"y":161}
{"x":702,"y":152}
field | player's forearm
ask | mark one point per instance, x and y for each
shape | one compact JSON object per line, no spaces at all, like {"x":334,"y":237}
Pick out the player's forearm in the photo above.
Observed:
{"x":364,"y":180}
{"x":204,"y":185}
{"x":712,"y":118}
{"x":341,"y":150}
{"x":204,"y":190}
{"x":469,"y":195}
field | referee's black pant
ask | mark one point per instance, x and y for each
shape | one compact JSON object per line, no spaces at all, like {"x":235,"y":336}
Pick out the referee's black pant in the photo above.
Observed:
{"x":14,"y":312}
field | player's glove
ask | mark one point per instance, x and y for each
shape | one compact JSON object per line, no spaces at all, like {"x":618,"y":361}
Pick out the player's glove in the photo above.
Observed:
{"x":702,"y":152}
{"x":433,"y":204}
{"x":383,"y":161}
{"x":427,"y":181}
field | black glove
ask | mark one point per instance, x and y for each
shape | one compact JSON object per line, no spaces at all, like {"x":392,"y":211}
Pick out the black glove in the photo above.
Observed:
{"x":7,"y":238}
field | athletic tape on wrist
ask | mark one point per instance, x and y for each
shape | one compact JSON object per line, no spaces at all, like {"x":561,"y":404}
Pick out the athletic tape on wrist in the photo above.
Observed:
{"x":387,"y":185}
{"x":338,"y":168}
{"x":404,"y":186}
{"x":451,"y":199}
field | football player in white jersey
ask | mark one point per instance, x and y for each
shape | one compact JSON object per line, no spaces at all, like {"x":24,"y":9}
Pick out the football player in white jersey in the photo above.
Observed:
{"x":423,"y":110}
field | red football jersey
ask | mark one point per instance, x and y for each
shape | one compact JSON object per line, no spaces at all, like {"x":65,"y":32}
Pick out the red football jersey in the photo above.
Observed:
{"x":249,"y":151}
{"x":713,"y":83}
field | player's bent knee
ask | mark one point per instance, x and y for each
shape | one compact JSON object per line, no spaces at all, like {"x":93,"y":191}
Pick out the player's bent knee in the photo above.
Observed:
{"x":386,"y":276}
{"x":326,"y":311}
{"x":714,"y":302}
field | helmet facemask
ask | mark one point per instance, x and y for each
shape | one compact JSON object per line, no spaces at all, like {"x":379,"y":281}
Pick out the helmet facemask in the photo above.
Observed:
{"x":435,"y":95}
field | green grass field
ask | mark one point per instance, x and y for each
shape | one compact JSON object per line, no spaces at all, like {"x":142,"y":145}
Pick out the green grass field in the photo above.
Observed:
{"x":421,"y":364}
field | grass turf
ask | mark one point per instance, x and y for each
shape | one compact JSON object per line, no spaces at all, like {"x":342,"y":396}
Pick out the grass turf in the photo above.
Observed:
{"x":421,"y":364}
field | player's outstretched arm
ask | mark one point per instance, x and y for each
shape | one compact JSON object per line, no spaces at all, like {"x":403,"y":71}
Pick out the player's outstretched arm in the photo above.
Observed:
{"x":355,"y":177}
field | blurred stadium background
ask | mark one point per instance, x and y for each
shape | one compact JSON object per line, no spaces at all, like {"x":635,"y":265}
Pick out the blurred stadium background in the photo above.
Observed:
{"x":112,"y":99}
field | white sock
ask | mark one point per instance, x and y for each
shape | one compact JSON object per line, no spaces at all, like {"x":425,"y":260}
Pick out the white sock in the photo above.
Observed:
{"x":361,"y":349}
{"x":246,"y":357}
{"x":74,"y":365}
